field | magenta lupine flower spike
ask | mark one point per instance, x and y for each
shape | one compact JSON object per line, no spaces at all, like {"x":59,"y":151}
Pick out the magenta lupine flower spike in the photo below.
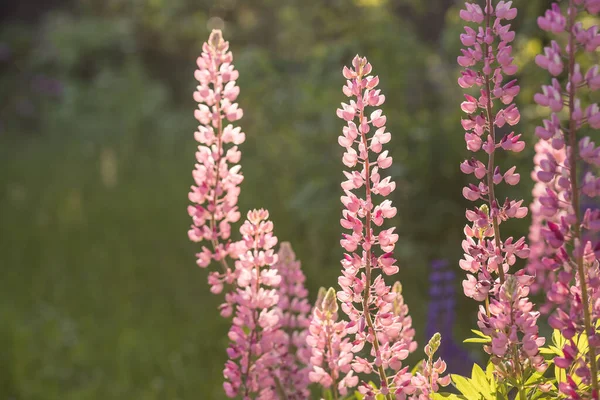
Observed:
{"x":217,"y":175}
{"x":295,"y":361}
{"x":571,"y":256}
{"x":331,"y":347}
{"x":365,"y":297}
{"x":257,"y":340}
{"x":487,"y":60}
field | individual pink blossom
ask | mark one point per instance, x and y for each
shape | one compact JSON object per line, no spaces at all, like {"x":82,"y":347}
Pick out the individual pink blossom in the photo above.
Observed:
{"x":294,"y":364}
{"x":562,"y":229}
{"x":257,"y":341}
{"x":217,"y":174}
{"x":384,"y":336}
{"x":551,"y":60}
{"x":553,"y":20}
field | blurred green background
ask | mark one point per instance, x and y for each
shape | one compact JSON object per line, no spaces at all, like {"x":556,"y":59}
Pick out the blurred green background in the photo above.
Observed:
{"x":100,"y":297}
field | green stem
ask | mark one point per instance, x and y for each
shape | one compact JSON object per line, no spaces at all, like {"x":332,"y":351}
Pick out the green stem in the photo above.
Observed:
{"x":490,"y":166}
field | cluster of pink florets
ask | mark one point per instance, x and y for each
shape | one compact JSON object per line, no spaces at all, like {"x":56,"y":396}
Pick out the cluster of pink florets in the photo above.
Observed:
{"x":268,"y":351}
{"x":257,"y":340}
{"x":278,"y":346}
{"x":217,"y":174}
{"x":566,"y":256}
{"x":487,"y":59}
{"x":365,"y":297}
{"x":294,"y":364}
{"x":331,"y":347}
{"x":429,"y":377}
{"x":512,"y":323}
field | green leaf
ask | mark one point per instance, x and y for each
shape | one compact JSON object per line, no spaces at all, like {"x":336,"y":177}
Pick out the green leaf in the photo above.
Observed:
{"x":489,"y":374}
{"x":548,"y":350}
{"x":476,"y":340}
{"x":480,"y":339}
{"x":466,"y":387}
{"x":558,"y":339}
{"x":450,"y":396}
{"x":479,"y":380}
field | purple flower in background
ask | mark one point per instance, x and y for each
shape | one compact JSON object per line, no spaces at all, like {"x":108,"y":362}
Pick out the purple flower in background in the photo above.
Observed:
{"x":441,"y":316}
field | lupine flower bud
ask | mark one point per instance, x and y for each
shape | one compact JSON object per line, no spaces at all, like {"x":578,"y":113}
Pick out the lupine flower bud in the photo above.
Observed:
{"x":428,"y":379}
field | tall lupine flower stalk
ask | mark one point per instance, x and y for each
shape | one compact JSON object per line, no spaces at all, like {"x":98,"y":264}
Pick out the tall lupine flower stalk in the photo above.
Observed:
{"x":257,"y":340}
{"x":295,"y":308}
{"x":486,"y":59}
{"x":575,"y":290}
{"x":217,"y":175}
{"x":365,"y":297}
{"x":331,"y":347}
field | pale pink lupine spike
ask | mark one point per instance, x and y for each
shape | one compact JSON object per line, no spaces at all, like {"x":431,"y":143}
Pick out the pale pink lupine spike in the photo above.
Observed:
{"x":563,"y":230}
{"x":487,"y":63}
{"x":217,"y":174}
{"x":295,"y":308}
{"x":387,"y":336}
{"x":257,"y":340}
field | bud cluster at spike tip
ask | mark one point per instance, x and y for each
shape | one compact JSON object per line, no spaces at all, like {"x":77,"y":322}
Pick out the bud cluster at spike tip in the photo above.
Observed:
{"x":256,"y":338}
{"x":428,"y":377}
{"x":364,"y":295}
{"x":566,"y":263}
{"x":295,"y":308}
{"x":488,"y":65}
{"x":217,"y":174}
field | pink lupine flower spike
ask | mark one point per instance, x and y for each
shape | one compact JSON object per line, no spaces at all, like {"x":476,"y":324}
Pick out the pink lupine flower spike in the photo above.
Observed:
{"x":487,"y":63}
{"x":366,"y":298}
{"x":217,"y":175}
{"x":567,"y":248}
